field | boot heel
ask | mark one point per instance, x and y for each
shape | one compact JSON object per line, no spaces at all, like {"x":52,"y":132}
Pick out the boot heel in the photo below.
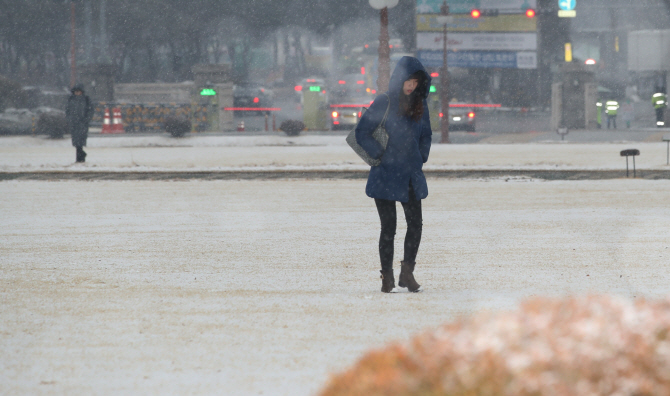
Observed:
{"x":388,"y":281}
{"x":406,"y":278}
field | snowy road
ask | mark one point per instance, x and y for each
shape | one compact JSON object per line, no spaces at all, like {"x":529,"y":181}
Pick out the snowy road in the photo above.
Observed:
{"x":265,"y":286}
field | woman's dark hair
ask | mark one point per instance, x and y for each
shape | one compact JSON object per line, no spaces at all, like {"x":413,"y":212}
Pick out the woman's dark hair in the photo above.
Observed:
{"x":412,"y":105}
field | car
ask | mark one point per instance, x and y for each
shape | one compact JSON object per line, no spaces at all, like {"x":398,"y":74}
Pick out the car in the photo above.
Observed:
{"x":462,"y":118}
{"x":251,"y":95}
{"x":345,"y":114}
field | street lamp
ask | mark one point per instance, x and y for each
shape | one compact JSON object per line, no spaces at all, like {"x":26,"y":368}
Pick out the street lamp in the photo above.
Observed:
{"x":443,"y":19}
{"x":384,"y":68}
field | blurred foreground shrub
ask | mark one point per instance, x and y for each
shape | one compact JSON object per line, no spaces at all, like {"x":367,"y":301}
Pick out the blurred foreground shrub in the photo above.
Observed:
{"x":53,"y":125}
{"x":596,"y":345}
{"x":292,"y":127}
{"x":177,"y":126}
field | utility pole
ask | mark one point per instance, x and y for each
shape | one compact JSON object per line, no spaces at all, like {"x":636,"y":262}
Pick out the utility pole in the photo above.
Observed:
{"x":384,"y":71}
{"x":444,"y":76}
{"x":73,"y":49}
{"x":384,"y":67}
{"x":104,"y":56}
{"x":88,"y":44}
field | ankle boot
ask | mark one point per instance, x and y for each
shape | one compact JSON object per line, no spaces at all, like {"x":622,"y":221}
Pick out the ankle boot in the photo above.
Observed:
{"x":388,"y":281}
{"x":406,"y":278}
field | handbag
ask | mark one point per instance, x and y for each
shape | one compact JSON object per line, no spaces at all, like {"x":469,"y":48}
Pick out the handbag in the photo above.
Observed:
{"x":379,"y":134}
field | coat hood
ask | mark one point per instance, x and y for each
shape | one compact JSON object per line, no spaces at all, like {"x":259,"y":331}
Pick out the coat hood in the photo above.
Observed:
{"x":407,"y":65}
{"x":78,"y":87}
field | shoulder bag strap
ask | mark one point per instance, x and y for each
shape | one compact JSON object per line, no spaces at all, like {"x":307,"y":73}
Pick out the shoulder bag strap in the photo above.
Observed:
{"x":383,"y":123}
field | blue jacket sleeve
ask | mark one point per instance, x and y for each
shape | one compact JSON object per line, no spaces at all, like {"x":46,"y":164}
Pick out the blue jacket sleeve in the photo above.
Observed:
{"x":368,"y":123}
{"x":426,"y":134}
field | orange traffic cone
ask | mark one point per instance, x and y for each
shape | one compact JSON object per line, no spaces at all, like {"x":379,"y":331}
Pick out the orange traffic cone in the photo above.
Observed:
{"x":240,"y":126}
{"x":107,"y":123}
{"x":117,"y":121}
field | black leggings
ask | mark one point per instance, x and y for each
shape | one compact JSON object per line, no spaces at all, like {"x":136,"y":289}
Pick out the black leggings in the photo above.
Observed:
{"x":388,"y":218}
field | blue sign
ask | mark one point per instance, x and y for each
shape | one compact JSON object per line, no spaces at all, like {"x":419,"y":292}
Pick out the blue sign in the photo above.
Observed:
{"x":480,"y":59}
{"x":567,"y":5}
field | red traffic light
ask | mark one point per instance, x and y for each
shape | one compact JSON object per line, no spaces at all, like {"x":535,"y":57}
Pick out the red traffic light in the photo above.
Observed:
{"x":530,"y":13}
{"x":476,"y":13}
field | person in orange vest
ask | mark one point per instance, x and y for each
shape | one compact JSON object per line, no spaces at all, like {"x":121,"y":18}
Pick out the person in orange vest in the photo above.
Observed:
{"x":79,"y":112}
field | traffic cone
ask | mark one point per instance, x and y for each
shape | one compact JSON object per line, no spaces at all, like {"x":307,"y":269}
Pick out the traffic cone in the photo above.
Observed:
{"x":106,"y":123}
{"x":240,"y":126}
{"x":117,"y":121}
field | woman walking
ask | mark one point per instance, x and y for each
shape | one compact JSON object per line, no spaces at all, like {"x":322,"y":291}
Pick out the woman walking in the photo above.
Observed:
{"x":399,"y":177}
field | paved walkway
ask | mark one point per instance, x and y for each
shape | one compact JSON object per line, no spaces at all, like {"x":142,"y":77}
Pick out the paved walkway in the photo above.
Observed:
{"x":265,"y":287}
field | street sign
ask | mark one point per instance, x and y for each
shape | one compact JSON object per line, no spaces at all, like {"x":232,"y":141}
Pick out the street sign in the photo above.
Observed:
{"x":480,"y":59}
{"x":208,"y":92}
{"x":567,"y":13}
{"x":478,"y":41}
{"x":567,"y":5}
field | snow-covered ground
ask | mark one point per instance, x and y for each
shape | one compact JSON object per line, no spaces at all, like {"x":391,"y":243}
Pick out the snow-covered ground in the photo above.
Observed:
{"x":309,"y":152}
{"x":265,"y":287}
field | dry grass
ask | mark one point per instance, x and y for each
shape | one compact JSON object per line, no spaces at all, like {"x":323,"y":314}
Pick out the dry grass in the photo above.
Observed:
{"x":596,"y":345}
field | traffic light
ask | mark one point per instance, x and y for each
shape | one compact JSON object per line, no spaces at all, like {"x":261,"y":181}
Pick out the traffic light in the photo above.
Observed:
{"x":530,"y":13}
{"x":476,"y":13}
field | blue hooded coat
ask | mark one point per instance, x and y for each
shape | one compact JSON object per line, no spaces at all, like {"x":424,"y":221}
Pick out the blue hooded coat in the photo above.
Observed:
{"x":408,"y":145}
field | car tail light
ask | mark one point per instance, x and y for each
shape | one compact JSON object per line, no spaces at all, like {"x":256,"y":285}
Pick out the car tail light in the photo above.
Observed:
{"x":360,"y":82}
{"x":262,"y":89}
{"x":336,"y":123}
{"x":441,"y":115}
{"x":335,"y":114}
{"x":435,"y":74}
{"x":256,"y":100}
{"x":374,"y":91}
{"x":341,"y":82}
{"x":298,"y":88}
{"x":471,"y":114}
{"x":360,"y":113}
{"x":311,"y":80}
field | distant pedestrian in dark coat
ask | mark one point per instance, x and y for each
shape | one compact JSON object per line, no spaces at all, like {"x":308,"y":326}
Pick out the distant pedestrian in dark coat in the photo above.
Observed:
{"x":399,"y":177}
{"x":79,"y":112}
